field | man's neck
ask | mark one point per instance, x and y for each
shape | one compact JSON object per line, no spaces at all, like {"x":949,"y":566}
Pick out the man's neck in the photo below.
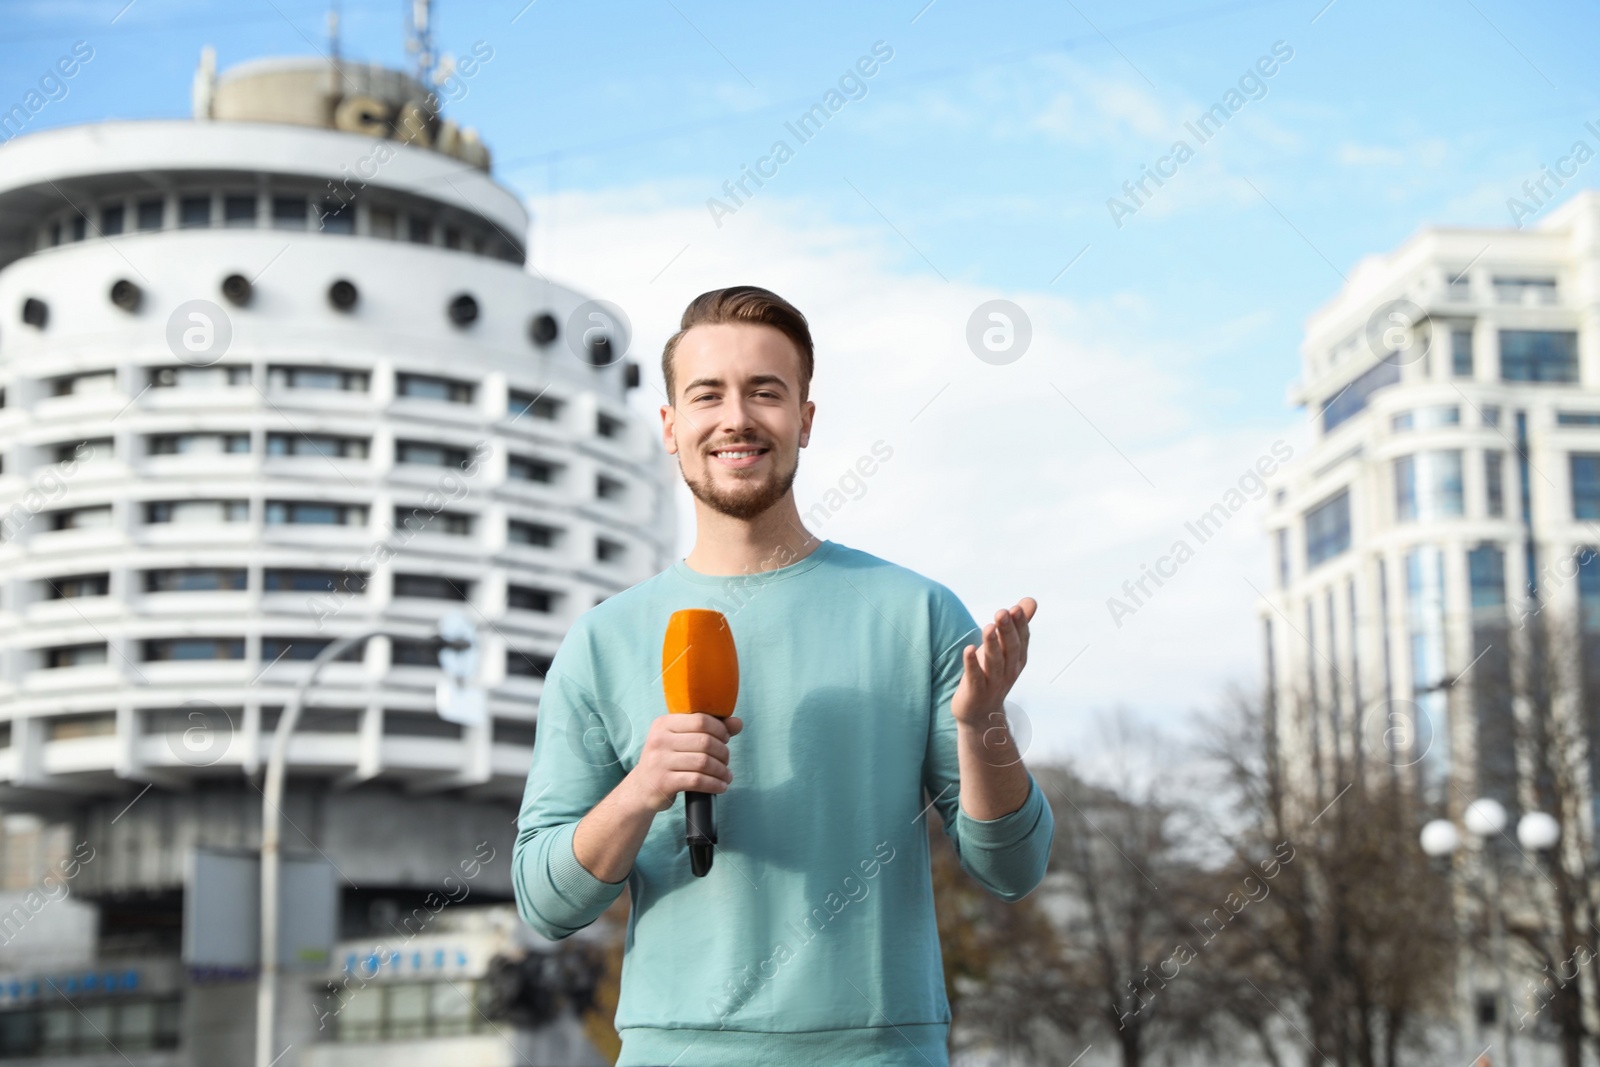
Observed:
{"x":727,"y":546}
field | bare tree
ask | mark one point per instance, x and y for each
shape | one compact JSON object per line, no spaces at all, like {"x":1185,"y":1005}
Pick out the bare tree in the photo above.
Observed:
{"x":1354,"y":936}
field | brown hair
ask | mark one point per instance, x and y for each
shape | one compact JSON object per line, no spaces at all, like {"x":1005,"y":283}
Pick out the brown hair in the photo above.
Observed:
{"x":743,"y":303}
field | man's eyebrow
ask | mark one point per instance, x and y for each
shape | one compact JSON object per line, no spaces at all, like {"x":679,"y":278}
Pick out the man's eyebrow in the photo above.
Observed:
{"x":755,"y":379}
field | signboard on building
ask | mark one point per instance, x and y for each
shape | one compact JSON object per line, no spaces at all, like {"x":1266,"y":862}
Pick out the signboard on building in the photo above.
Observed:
{"x":222,"y":911}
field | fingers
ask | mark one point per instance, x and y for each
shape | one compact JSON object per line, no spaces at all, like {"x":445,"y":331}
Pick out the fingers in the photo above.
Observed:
{"x":699,"y":722}
{"x":699,"y":765}
{"x":1010,"y":638}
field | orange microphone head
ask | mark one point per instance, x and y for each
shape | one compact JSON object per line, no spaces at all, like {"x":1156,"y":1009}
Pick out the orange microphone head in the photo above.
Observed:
{"x":699,"y":663}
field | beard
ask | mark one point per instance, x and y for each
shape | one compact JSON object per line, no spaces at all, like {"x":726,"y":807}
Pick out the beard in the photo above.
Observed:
{"x":741,"y":496}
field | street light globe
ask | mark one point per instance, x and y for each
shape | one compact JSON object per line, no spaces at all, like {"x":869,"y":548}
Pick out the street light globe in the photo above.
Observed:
{"x":1484,"y":817}
{"x":1440,"y":837}
{"x":1538,"y":830}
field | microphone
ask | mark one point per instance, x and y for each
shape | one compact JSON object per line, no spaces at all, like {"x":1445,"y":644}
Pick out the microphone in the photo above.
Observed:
{"x":700,"y":672}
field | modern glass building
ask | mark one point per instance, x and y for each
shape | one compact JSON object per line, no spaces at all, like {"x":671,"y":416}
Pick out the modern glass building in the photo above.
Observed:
{"x":1449,"y":496}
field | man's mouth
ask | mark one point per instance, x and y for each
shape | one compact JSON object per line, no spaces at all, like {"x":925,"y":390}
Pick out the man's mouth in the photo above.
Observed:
{"x":736,"y":458}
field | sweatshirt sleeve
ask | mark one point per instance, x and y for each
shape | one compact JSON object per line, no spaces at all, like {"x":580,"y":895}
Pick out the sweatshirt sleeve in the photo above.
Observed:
{"x":574,"y":766}
{"x":1008,"y":855}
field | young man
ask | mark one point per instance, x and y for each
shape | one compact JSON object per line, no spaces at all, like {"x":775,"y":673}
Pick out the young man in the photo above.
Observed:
{"x":871,"y":697}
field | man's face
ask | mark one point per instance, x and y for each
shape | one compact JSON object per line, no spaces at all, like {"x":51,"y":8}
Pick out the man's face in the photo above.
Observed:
{"x":738,"y":390}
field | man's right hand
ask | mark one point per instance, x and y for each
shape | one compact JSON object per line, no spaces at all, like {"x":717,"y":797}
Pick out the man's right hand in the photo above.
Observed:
{"x":683,"y":754}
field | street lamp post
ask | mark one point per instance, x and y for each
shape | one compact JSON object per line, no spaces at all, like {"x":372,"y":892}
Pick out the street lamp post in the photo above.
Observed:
{"x":1485,"y":819}
{"x":271,"y":815}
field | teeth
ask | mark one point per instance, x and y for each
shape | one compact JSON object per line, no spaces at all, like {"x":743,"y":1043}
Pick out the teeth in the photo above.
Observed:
{"x":736,"y":455}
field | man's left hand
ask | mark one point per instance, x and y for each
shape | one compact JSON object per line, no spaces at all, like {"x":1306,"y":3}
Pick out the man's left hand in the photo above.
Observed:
{"x":992,"y":667}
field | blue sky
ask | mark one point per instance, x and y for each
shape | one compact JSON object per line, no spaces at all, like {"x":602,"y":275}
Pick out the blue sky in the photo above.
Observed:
{"x":977,"y":165}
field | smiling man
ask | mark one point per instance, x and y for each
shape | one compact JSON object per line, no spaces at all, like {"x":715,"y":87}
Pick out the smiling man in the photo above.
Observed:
{"x":872,"y":698}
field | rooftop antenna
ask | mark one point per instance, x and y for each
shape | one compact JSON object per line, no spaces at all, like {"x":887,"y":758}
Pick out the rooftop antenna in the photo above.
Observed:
{"x":420,"y":41}
{"x":333,"y":31}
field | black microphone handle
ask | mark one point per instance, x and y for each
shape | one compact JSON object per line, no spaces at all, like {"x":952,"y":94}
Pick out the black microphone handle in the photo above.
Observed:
{"x":701,"y":831}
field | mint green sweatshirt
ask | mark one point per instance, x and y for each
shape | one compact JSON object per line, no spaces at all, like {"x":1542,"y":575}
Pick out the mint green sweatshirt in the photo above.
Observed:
{"x":812,"y":940}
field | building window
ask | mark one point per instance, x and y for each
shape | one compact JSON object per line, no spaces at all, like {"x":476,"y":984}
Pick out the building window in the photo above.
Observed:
{"x":1539,"y":355}
{"x":198,"y":377}
{"x":1281,"y":540}
{"x":609,"y":426}
{"x":407,"y":1011}
{"x":239,"y":211}
{"x":1491,"y":414}
{"x":194,"y":212}
{"x":1352,"y":399}
{"x":398,"y":723}
{"x":97,"y":517}
{"x":314,"y":513}
{"x":1427,"y":418}
{"x":89,"y":655}
{"x":527,"y":598}
{"x":1494,"y":482}
{"x":1486,"y":569}
{"x":608,"y":488}
{"x":1328,"y":529}
{"x":1528,"y":291}
{"x":95,"y":382}
{"x":193,"y":648}
{"x":300,"y":580}
{"x":316,"y":444}
{"x":429,"y":387}
{"x":609,"y":551}
{"x":150,"y":214}
{"x":524,"y":469}
{"x":514,"y":732}
{"x":73,"y":586}
{"x":1461,"y":351}
{"x":337,"y":217}
{"x":1425,"y":601}
{"x":526,"y":664}
{"x":1588,"y":558}
{"x":407,"y":653}
{"x":350,"y":381}
{"x":1578,"y":418}
{"x":381,"y":223}
{"x":1585,"y":485}
{"x":196,"y":512}
{"x":196,"y":444}
{"x":121,"y":1024}
{"x":1428,"y":485}
{"x":195,"y":580}
{"x":431,"y":455}
{"x":419,"y":231}
{"x":92,"y":448}
{"x":111,"y":220}
{"x":530,"y":533}
{"x":289,"y":212}
{"x":431,"y":586}
{"x":274,"y":649}
{"x":421,"y":520}
{"x":538,"y":405}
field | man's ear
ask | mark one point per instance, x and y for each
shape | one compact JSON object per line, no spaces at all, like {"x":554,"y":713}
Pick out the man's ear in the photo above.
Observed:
{"x":668,"y":425}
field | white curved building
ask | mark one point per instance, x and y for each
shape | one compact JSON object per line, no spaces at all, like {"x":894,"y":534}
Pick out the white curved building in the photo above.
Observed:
{"x":271,"y":377}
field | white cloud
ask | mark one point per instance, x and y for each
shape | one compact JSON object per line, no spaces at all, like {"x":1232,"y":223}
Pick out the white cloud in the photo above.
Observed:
{"x":998,"y":486}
